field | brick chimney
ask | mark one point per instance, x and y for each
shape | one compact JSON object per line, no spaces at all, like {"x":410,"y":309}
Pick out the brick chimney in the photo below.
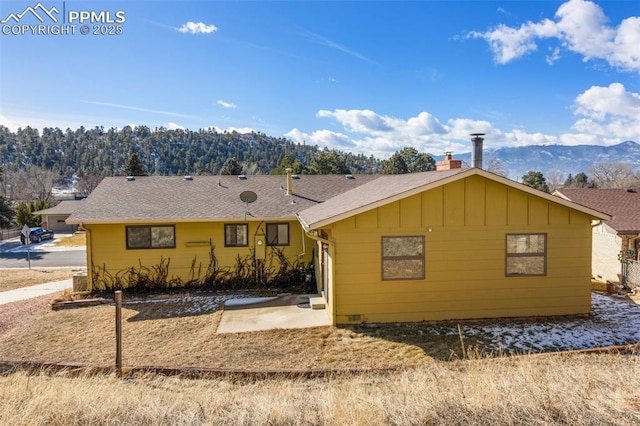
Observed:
{"x":448,"y":163}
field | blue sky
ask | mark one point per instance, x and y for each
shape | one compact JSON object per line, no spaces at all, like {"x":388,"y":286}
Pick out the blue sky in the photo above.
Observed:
{"x":369,"y":77}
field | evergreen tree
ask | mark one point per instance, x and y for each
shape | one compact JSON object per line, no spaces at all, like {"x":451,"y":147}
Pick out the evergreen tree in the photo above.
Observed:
{"x":329,"y":163}
{"x":396,"y":165}
{"x":581,"y":180}
{"x":569,"y":181}
{"x":134,"y":166}
{"x":24,"y":212}
{"x":409,"y":160}
{"x":231,"y":167}
{"x":24,"y":216}
{"x":288,"y":162}
{"x":535,"y":180}
{"x":6,"y":213}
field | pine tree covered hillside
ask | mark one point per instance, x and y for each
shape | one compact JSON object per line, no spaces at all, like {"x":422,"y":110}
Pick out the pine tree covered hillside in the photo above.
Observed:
{"x":106,"y":152}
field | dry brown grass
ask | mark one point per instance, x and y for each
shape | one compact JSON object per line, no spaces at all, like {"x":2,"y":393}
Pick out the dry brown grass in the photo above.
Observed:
{"x":76,"y":240}
{"x":19,"y":313}
{"x":87,"y":335}
{"x":11,"y":279}
{"x":576,"y":390}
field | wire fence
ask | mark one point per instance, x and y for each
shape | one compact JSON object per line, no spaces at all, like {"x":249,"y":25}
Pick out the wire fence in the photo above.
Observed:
{"x":632,"y":274}
{"x":5,"y":234}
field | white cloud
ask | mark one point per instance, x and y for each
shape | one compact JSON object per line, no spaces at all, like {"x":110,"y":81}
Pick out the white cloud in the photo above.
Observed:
{"x":604,"y":116}
{"x":600,"y":102}
{"x":10,"y":124}
{"x":224,"y":104}
{"x":197,"y":28}
{"x":174,"y":126}
{"x":609,"y":112}
{"x":241,"y":130}
{"x":581,"y":27}
{"x":381,"y":135}
{"x":322,"y":138}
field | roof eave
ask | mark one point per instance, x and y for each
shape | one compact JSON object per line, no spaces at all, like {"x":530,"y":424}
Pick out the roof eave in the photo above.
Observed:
{"x":80,"y":221}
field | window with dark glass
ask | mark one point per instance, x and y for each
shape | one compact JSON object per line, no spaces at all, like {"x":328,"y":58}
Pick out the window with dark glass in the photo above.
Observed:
{"x":235,"y":235}
{"x":526,"y":254}
{"x":277,"y":234}
{"x":403,"y":258}
{"x":151,"y":237}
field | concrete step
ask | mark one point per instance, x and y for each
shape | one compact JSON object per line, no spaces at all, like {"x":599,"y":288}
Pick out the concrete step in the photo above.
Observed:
{"x":317,"y":302}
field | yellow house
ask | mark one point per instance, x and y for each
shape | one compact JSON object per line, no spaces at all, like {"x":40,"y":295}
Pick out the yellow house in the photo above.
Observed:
{"x":224,"y":231}
{"x":449,"y":244}
{"x":460,"y":243}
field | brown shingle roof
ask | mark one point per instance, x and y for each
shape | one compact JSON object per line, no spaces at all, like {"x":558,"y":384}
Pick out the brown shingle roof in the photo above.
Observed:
{"x":64,"y":207}
{"x":622,"y":205}
{"x":172,"y":198}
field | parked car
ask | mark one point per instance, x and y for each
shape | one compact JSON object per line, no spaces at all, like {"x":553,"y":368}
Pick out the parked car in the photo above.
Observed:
{"x":37,"y":235}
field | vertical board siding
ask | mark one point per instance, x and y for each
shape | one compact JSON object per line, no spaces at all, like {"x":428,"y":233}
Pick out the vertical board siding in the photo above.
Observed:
{"x":517,"y":207}
{"x":389,"y":215}
{"x":433,"y":207}
{"x":409,"y":212}
{"x":464,"y":224}
{"x":367,"y":220}
{"x":454,"y":201}
{"x":496,"y":206}
{"x":475,"y":196}
{"x":558,"y":215}
{"x":538,"y":211}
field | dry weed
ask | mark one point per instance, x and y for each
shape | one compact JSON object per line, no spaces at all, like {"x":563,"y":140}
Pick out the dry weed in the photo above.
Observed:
{"x":577,"y":390}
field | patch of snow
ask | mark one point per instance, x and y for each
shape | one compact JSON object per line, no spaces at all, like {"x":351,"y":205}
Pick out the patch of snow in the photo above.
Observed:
{"x":247,"y":301}
{"x":190,"y":305}
{"x":614,"y":320}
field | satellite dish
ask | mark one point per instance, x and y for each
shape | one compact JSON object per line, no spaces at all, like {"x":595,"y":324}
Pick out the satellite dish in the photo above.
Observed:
{"x":248,"y":196}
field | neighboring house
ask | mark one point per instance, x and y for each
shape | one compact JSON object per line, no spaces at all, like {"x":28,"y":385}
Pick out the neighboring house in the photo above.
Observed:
{"x":54,"y":218}
{"x":458,"y":243}
{"x":618,"y":238}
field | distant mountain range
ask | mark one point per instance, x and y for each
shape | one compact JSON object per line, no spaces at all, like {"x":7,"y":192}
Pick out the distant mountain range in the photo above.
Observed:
{"x":566,"y":159}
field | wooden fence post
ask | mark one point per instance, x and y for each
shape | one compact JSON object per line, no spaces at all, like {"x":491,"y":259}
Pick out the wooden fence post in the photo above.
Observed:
{"x":118,"y":297}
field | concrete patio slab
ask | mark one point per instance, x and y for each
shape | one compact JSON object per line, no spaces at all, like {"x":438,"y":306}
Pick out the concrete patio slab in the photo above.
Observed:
{"x":291,"y":311}
{"x":34,"y":291}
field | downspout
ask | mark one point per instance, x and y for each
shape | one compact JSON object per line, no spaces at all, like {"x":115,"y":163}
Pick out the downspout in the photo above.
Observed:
{"x":333,"y":293}
{"x":89,"y":289}
{"x":304,"y":249}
